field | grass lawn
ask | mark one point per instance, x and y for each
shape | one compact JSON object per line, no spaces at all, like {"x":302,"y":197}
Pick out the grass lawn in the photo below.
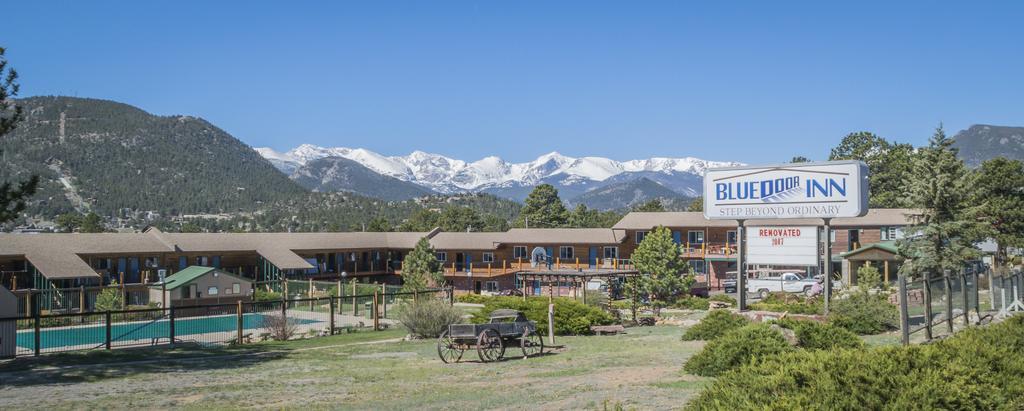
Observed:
{"x":637,"y":370}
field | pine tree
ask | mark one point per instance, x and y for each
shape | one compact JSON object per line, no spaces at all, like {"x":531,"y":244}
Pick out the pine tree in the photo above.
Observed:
{"x":943,"y":239}
{"x":378,"y":224}
{"x":659,"y":261}
{"x":420,"y":269}
{"x":12,"y":198}
{"x":998,"y":202}
{"x":652,"y":205}
{"x":543,"y":209}
{"x":696,"y":205}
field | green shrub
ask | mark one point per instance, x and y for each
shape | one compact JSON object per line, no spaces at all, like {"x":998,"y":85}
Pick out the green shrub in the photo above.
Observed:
{"x":725,"y":298}
{"x":736,"y":348}
{"x":263,"y":295}
{"x":714,"y":325}
{"x":472,"y":298}
{"x":978,"y":368}
{"x":820,"y":336}
{"x":571,"y":317}
{"x":596,"y":298}
{"x":692,"y":303}
{"x":792,"y":303}
{"x":428,"y":317}
{"x":864,"y":313}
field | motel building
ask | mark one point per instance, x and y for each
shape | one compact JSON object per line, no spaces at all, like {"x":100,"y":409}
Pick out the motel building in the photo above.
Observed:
{"x":535,"y":261}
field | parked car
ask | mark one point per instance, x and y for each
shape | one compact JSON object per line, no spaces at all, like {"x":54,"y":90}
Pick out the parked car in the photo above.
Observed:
{"x":790,"y":282}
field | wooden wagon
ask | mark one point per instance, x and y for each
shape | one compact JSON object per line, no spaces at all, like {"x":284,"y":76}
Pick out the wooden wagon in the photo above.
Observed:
{"x":505,"y":328}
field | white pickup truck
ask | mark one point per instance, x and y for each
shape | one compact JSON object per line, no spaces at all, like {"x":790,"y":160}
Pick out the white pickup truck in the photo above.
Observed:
{"x":780,"y":282}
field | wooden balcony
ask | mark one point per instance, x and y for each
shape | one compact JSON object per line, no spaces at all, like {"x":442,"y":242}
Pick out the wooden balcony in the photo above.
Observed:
{"x":709,"y":250}
{"x":499,"y":268}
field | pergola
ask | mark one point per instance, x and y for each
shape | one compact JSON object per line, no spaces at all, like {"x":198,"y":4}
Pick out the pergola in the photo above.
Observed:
{"x":577,"y":278}
{"x":883,"y":255}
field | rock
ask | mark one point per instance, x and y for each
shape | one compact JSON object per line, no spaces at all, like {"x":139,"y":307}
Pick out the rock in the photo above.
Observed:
{"x":715,"y":305}
{"x":788,"y":334}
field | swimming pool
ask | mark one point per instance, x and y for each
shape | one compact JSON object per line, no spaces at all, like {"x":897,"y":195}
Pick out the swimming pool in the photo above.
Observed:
{"x":97,"y":335}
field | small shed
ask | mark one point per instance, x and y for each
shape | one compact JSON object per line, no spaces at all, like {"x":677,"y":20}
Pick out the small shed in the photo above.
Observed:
{"x":8,"y":329}
{"x":198,"y":285}
{"x":882,"y":255}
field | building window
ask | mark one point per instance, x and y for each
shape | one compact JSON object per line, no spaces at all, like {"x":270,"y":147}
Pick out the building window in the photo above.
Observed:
{"x":236,"y":288}
{"x":227,"y":291}
{"x":695,"y":237}
{"x":203,"y":260}
{"x":640,"y":236}
{"x":565,"y":252}
{"x":519,"y":251}
{"x":699,"y":266}
{"x":730,"y":237}
{"x":442,"y":256}
{"x":151,"y":262}
{"x":892,"y":233}
{"x":492,"y":286}
{"x":611,"y":252}
{"x":488,"y":258}
{"x":211,"y":291}
{"x":102,"y":264}
{"x":186,"y":292}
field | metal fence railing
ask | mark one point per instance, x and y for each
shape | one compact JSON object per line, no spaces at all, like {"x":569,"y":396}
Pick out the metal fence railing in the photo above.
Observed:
{"x":935,"y":303}
{"x":239,"y":323}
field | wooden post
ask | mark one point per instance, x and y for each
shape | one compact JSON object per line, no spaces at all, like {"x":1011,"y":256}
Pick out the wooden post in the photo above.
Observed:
{"x":384,"y":299}
{"x":927,"y":306}
{"x":523,"y":278}
{"x":309,"y":288}
{"x":35,"y":324}
{"x":963,"y":293}
{"x":355,"y":304}
{"x":331,"y":299}
{"x":376,"y":321}
{"x":107,"y":340}
{"x":81,"y":298}
{"x":585,"y":282}
{"x":339,"y":289}
{"x":551,"y":323}
{"x":886,"y":264}
{"x":904,"y":311}
{"x":949,"y":300}
{"x":241,"y":323}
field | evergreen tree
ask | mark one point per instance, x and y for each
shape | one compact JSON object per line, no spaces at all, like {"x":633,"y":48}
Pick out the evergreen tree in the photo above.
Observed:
{"x":12,"y":198}
{"x":652,"y":205}
{"x":543,"y":209}
{"x":68,"y":222}
{"x":696,"y":205}
{"x":378,"y":225}
{"x":888,"y":164}
{"x":943,"y":239}
{"x":460,"y":219}
{"x":998,"y":202}
{"x":421,"y":269}
{"x":110,"y":299}
{"x":659,"y":261}
{"x":92,"y":223}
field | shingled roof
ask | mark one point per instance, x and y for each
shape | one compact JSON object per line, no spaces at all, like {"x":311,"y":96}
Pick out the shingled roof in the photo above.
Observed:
{"x":874,"y":217}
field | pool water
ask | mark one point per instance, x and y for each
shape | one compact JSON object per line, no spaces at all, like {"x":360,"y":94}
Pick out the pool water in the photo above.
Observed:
{"x":97,"y":335}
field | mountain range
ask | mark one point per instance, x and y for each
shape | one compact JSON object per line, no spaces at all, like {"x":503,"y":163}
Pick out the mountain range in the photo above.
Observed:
{"x":981,"y":142}
{"x":579,"y":180}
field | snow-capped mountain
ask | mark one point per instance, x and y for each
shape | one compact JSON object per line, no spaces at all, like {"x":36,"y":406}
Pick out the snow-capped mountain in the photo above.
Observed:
{"x":448,"y":175}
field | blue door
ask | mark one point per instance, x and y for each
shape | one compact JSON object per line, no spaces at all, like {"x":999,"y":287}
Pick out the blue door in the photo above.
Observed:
{"x":182,"y":262}
{"x":469,"y":260}
{"x":677,"y":237}
{"x":593,"y":257}
{"x":550,"y":251}
{"x":536,"y":287}
{"x":216,"y":261}
{"x":122,"y":267}
{"x":133,"y":273}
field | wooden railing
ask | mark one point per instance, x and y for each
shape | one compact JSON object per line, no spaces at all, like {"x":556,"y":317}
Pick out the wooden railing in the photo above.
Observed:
{"x":520,"y":264}
{"x":701,"y":250}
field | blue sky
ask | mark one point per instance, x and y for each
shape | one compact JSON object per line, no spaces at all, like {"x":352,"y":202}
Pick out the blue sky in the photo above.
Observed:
{"x":755,"y":82}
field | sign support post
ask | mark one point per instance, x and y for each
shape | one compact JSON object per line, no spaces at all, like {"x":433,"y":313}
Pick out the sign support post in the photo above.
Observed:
{"x":827,"y":260}
{"x":741,"y":270}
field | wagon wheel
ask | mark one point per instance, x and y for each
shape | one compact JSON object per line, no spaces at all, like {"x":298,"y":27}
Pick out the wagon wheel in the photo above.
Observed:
{"x":532,"y":344}
{"x":449,"y":350}
{"x":489,"y":346}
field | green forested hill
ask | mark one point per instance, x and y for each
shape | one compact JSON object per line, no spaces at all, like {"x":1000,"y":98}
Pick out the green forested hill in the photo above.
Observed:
{"x":105,"y":156}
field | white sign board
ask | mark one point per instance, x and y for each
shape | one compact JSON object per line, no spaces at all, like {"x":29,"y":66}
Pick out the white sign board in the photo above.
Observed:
{"x":800,"y":190}
{"x":783,"y":245}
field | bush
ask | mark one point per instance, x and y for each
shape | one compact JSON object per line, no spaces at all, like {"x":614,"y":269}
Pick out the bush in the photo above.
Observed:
{"x":792,"y":303}
{"x":864,"y":313}
{"x":428,"y":317}
{"x":571,"y":317}
{"x":472,"y":298}
{"x":281,"y":328}
{"x":692,"y":303}
{"x":263,"y":295}
{"x":714,"y":325}
{"x":978,"y":368}
{"x":725,"y":298}
{"x":820,"y":336}
{"x":736,"y":348}
{"x":596,"y":298}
